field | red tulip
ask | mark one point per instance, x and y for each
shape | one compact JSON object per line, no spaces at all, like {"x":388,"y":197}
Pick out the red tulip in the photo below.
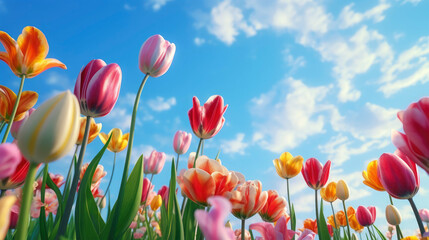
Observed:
{"x":398,"y":175}
{"x":18,"y":177}
{"x":415,"y":142}
{"x":206,"y":121}
{"x":366,"y":216}
{"x":275,"y":208}
{"x":315,"y":174}
{"x":97,"y":88}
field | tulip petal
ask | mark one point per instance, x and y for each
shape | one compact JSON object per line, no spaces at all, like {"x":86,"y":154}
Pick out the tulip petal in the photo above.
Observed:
{"x":45,"y":64}
{"x":9,"y":44}
{"x":33,"y":45}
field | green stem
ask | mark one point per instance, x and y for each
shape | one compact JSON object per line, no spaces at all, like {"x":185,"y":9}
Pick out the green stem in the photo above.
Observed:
{"x":128,"y":157}
{"x":243,"y":229}
{"x":2,"y":124}
{"x":370,"y":232}
{"x":347,"y":220}
{"x":290,"y":206}
{"x":177,"y":161}
{"x":317,"y":211}
{"x":398,"y":229}
{"x":416,"y":213}
{"x":148,"y":230}
{"x":198,"y":151}
{"x":70,"y":170}
{"x":333,"y":214}
{"x":15,"y":107}
{"x":27,"y":196}
{"x":70,"y":200}
{"x":391,"y":200}
{"x":111,"y":177}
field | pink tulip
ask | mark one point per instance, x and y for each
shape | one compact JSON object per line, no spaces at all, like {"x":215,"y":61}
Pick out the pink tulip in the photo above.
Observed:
{"x":181,"y":142}
{"x":98,"y":174}
{"x":424,"y":215}
{"x":58,"y":179}
{"x":17,"y":125}
{"x":307,"y":235}
{"x":366,"y":216}
{"x":398,"y":175}
{"x":133,"y":225}
{"x":10,"y":157}
{"x":154,"y":163}
{"x":164,"y":192}
{"x":247,"y":236}
{"x":97,"y":88}
{"x":139,"y":232}
{"x":279,"y":232}
{"x":212,"y":223}
{"x":156,"y":55}
{"x":50,"y":204}
{"x":207,"y":120}
{"x":315,"y":174}
{"x":415,"y":142}
{"x":147,"y":191}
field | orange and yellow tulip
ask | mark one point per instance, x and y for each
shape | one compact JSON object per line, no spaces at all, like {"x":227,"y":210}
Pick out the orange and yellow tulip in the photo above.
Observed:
{"x":94,"y":130}
{"x":371,"y":177}
{"x":275,"y":207}
{"x":353,"y":222}
{"x":309,"y":224}
{"x":288,"y":166}
{"x":7,"y":102}
{"x":333,"y":222}
{"x":118,"y":142}
{"x":248,"y":199}
{"x":341,"y":218}
{"x":329,"y":193}
{"x":410,"y":238}
{"x":27,"y":56}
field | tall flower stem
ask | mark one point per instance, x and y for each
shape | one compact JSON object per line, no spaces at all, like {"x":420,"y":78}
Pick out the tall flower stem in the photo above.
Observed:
{"x":317,"y":211}
{"x":2,"y":124}
{"x":347,"y":219}
{"x":416,"y":213}
{"x":70,"y":200}
{"x":15,"y":107}
{"x":27,"y":196}
{"x":333,"y":214}
{"x":70,"y":170}
{"x":288,"y":195}
{"x":128,"y":157}
{"x":198,"y":151}
{"x":177,"y":161}
{"x":111,"y":177}
{"x":243,"y":229}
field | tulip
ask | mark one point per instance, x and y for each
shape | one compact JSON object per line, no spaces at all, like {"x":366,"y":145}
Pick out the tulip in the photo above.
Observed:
{"x":371,"y":176}
{"x":97,"y":88}
{"x":154,"y":163}
{"x":424,"y":215}
{"x":212,"y":223}
{"x":340,"y":216}
{"x":17,"y":125}
{"x":410,"y":238}
{"x":288,"y":166}
{"x":342,"y":190}
{"x":138,"y":234}
{"x":366,"y":216}
{"x":238,"y":235}
{"x":51,"y":131}
{"x":393,"y":216}
{"x":164,"y":192}
{"x":307,"y":234}
{"x":7,"y":102}
{"x":17,"y":178}
{"x":6,"y":204}
{"x":248,"y":199}
{"x":354,"y":237}
{"x":118,"y":142}
{"x":50,"y":203}
{"x":415,"y":142}
{"x":207,"y":120}
{"x":156,"y":55}
{"x":98,"y":174}
{"x":279,"y":232}
{"x":156,"y":202}
{"x":9,"y":159}
{"x":354,"y":224}
{"x":315,"y":174}
{"x":181,"y":142}
{"x":146,"y":192}
{"x":27,"y":55}
{"x":94,"y":130}
{"x":274,"y":208}
{"x":329,"y":193}
{"x":310,"y":225}
{"x":56,"y":178}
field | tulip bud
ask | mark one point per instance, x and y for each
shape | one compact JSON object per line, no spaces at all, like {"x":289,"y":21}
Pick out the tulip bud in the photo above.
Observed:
{"x":6,"y":204}
{"x":393,"y":216}
{"x":228,"y":225}
{"x":156,"y":202}
{"x":51,"y":131}
{"x":156,"y":55}
{"x":181,"y":142}
{"x":354,"y":237}
{"x":154,"y":163}
{"x":10,"y":157}
{"x":328,"y":193}
{"x":101,"y":202}
{"x":342,"y":190}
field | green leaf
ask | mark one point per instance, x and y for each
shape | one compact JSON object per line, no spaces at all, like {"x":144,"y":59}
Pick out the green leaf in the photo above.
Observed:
{"x":42,"y":216}
{"x":379,"y":233}
{"x":251,"y":234}
{"x":189,"y":221}
{"x":60,"y":210}
{"x":130,"y":205}
{"x":324,"y":232}
{"x":293,"y":218}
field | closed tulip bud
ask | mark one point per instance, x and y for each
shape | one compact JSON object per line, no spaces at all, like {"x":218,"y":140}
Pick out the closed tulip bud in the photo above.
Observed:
{"x":424,"y":215}
{"x":366,"y":216}
{"x":354,"y":237}
{"x":10,"y":157}
{"x":154,"y":163}
{"x":315,"y":174}
{"x":6,"y":204}
{"x":97,"y":88}
{"x":181,"y":142}
{"x":329,"y":193}
{"x":288,"y":166}
{"x":156,"y":202}
{"x":101,"y":202}
{"x":51,"y":131}
{"x":156,"y":55}
{"x":392,"y":215}
{"x":342,"y":190}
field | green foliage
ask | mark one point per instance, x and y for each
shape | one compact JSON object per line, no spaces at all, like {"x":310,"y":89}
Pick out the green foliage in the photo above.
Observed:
{"x":324,"y":232}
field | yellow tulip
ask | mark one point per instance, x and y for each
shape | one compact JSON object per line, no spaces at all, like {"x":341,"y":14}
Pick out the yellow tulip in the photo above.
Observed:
{"x":410,"y":238}
{"x":94,"y":130}
{"x":393,"y":216}
{"x":156,"y":202}
{"x":6,"y":204}
{"x":51,"y":131}
{"x":371,"y":176}
{"x":342,"y":190}
{"x":353,"y":222}
{"x":118,"y":142}
{"x":328,"y":193}
{"x":7,"y":102}
{"x":288,"y":166}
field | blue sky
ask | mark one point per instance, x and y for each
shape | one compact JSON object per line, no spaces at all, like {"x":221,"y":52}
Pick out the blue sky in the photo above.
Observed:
{"x":320,"y":79}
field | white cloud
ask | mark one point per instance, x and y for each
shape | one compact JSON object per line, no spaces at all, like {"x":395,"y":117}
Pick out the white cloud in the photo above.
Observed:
{"x":157,"y":4}
{"x":398,"y":36}
{"x":58,"y":80}
{"x":236,"y":145}
{"x":120,"y":118}
{"x":199,"y":41}
{"x":128,"y":7}
{"x":284,"y":119}
{"x":349,"y":18}
{"x":293,"y":62}
{"x":160,"y":104}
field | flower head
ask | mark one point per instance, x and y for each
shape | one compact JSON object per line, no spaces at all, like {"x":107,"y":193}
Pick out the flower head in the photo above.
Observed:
{"x":424,"y":215}
{"x":342,"y":190}
{"x":154,"y":163}
{"x":279,"y":232}
{"x":118,"y":142}
{"x":94,"y":130}
{"x":393,"y":216}
{"x":50,"y":203}
{"x":371,"y":176}
{"x":275,"y":207}
{"x":18,"y":176}
{"x":248,"y":199}
{"x":315,"y":174}
{"x":310,"y":225}
{"x":156,"y":55}
{"x":7,"y":102}
{"x":366,"y":216}
{"x":329,"y":193}
{"x":10,"y":156}
{"x":288,"y":166}
{"x":181,"y":142}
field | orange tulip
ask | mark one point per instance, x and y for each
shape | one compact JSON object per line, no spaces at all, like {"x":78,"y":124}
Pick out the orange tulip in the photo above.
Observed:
{"x":288,"y":166}
{"x":208,"y":178}
{"x":94,"y":130}
{"x":309,"y":224}
{"x":341,"y":218}
{"x":353,"y":222}
{"x":332,"y":222}
{"x":275,"y":207}
{"x":329,"y":193}
{"x":7,"y":102}
{"x":26,"y":57}
{"x":118,"y":142}
{"x":248,"y":199}
{"x":371,"y":177}
{"x":410,"y":238}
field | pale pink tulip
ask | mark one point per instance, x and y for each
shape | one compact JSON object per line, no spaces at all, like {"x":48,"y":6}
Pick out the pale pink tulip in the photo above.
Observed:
{"x":50,"y":204}
{"x":424,"y":215}
{"x":98,"y":174}
{"x":156,"y":55}
{"x":139,"y":233}
{"x":154,"y":163}
{"x":269,"y":232}
{"x":307,"y":235}
{"x":181,"y":142}
{"x":237,"y":234}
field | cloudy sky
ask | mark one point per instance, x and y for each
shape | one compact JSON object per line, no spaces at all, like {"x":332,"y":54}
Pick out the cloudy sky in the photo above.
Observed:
{"x":320,"y":79}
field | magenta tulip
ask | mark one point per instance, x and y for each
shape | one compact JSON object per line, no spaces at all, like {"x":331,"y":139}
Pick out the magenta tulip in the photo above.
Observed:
{"x":181,"y":142}
{"x":366,"y":216}
{"x":279,"y":232}
{"x":398,"y":175}
{"x":154,"y":163}
{"x":10,"y":157}
{"x":147,"y":191}
{"x":315,"y":174}
{"x":17,"y":125}
{"x":156,"y":55}
{"x":207,"y":120}
{"x":97,"y":88}
{"x":424,"y":215}
{"x":212,"y":223}
{"x":415,"y":142}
